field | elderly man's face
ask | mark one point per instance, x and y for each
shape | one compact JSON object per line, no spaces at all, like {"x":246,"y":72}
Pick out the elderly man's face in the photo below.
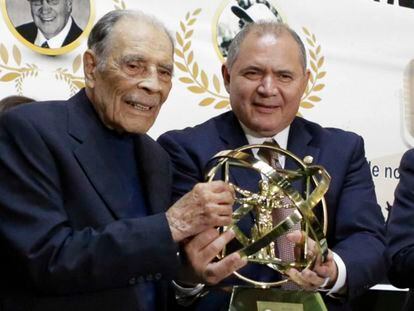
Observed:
{"x":266,"y":82}
{"x":136,"y":79}
{"x":50,"y":16}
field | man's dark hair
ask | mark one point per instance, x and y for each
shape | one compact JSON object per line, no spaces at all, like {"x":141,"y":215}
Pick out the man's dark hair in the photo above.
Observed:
{"x":262,"y":28}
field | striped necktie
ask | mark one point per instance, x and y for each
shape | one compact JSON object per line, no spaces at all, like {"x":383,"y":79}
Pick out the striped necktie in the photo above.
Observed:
{"x":285,"y":248}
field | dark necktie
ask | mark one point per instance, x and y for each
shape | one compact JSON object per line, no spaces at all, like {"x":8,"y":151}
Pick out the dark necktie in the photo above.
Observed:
{"x":285,"y":248}
{"x":45,"y":45}
{"x":268,"y":155}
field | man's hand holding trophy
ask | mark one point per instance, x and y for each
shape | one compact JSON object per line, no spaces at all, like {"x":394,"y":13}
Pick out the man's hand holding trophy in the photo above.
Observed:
{"x":282,"y":208}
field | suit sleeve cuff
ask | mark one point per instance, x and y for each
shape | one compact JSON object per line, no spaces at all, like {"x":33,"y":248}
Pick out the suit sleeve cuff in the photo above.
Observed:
{"x":339,"y":287}
{"x":186,"y":296}
{"x":187,"y":291}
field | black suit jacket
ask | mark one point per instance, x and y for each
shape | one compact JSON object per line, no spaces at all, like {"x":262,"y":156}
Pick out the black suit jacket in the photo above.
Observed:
{"x":29,"y":32}
{"x":69,"y":238}
{"x":355,"y":223}
{"x":400,"y":230}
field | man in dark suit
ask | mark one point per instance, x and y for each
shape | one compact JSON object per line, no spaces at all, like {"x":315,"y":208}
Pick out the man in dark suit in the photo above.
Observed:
{"x":52,"y":26}
{"x":400,"y":229}
{"x":84,"y":191}
{"x":265,"y":75}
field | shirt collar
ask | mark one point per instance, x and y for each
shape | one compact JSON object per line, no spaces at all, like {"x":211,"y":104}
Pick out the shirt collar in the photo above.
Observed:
{"x":281,"y":138}
{"x":254,"y":138}
{"x":57,"y":41}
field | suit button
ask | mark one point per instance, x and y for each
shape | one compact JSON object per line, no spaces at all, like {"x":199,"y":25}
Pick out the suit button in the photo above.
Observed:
{"x":132,"y":281}
{"x":158,"y":276}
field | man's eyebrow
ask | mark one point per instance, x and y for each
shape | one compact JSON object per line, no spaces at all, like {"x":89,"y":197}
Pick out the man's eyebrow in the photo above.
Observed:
{"x":132,"y":58}
{"x":251,"y":67}
{"x":137,"y":58}
{"x":284,"y":71}
{"x":168,"y":67}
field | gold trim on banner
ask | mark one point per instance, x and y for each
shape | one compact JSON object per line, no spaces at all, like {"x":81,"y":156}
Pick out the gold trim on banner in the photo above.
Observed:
{"x":75,"y":83}
{"x":17,"y":74}
{"x":316,"y":63}
{"x":196,"y":78}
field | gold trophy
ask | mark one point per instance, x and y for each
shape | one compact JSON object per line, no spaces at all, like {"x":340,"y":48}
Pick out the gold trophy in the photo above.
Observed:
{"x":275,"y":191}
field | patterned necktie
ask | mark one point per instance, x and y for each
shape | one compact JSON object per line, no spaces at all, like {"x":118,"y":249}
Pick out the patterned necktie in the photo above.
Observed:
{"x":285,"y":248}
{"x":45,"y":45}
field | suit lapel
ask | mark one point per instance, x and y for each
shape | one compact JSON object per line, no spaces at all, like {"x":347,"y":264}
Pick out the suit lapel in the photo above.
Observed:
{"x":300,"y":143}
{"x":93,"y":152}
{"x":233,"y":137}
{"x":74,"y":33}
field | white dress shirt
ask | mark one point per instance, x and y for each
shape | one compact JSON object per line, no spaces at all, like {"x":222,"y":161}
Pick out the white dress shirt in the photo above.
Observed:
{"x":56,"y":41}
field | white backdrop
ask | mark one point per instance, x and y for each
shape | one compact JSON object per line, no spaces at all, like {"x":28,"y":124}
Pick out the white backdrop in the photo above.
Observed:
{"x":360,"y":49}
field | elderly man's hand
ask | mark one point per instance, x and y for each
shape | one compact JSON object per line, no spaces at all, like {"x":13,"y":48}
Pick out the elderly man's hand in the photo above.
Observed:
{"x":208,"y":205}
{"x":322,"y":273}
{"x":201,"y":250}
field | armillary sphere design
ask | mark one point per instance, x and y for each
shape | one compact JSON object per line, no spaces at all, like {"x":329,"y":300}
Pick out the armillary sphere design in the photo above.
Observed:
{"x":275,"y":191}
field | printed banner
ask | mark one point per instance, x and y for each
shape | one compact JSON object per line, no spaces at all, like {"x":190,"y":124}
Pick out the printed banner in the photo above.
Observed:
{"x":360,"y":54}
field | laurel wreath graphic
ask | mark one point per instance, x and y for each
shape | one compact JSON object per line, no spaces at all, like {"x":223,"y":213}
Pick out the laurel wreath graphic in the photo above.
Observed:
{"x":198,"y":81}
{"x":75,"y":83}
{"x":316,"y":63}
{"x":119,"y":4}
{"x":17,"y":74}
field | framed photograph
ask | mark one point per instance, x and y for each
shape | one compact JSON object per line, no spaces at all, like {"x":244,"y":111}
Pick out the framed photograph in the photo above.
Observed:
{"x":233,"y":15}
{"x":51,"y":27}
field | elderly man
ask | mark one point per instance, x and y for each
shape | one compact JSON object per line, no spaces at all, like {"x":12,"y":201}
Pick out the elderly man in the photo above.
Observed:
{"x":52,"y":26}
{"x":84,"y":191}
{"x":265,"y":75}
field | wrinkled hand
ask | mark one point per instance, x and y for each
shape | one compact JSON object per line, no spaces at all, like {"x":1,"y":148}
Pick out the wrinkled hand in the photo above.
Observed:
{"x":201,"y":250}
{"x":208,"y":205}
{"x":312,"y":279}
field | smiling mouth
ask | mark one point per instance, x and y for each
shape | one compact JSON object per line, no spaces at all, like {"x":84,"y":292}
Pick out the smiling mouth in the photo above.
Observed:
{"x":47,"y":19}
{"x":138,"y":106}
{"x":265,"y":106}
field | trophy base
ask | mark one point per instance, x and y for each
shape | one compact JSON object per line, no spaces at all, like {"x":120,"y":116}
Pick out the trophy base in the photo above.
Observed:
{"x":273,"y":299}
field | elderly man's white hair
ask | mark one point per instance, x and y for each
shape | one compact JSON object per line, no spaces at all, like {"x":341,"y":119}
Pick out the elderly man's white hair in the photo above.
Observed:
{"x":98,"y":40}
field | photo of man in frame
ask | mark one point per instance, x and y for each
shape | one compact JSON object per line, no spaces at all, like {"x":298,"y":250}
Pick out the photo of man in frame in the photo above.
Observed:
{"x":239,"y":13}
{"x":48,"y":25}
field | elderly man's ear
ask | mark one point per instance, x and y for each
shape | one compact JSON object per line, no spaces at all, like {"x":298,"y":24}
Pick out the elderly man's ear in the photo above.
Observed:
{"x":89,"y":68}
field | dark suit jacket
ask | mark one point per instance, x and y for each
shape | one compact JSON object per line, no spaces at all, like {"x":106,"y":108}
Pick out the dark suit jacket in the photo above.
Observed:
{"x":69,"y":238}
{"x":29,"y":32}
{"x":356,"y":225}
{"x":400,"y":230}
